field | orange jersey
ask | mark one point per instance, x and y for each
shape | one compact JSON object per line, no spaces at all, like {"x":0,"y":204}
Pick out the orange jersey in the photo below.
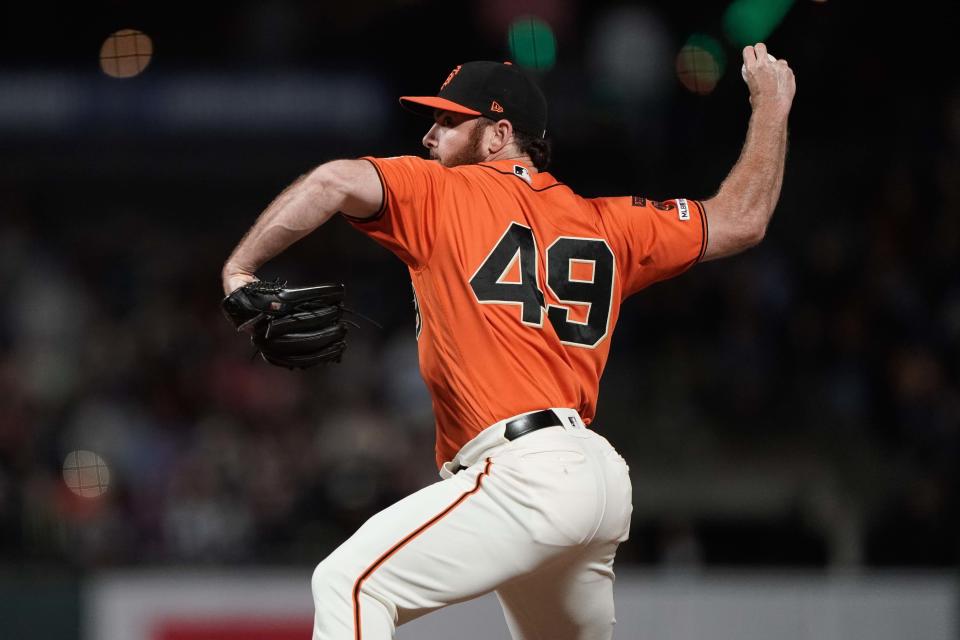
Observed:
{"x":518,"y":282}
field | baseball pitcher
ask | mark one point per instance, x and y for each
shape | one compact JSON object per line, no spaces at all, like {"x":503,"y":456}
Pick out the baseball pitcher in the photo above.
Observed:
{"x":518,"y":284}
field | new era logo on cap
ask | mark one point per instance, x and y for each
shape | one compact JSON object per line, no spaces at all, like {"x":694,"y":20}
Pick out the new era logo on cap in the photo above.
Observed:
{"x":495,"y":107}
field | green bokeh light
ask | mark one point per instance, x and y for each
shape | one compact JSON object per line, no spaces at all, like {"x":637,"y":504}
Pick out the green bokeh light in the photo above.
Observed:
{"x":532,"y":43}
{"x":710,"y":45}
{"x":751,"y":21}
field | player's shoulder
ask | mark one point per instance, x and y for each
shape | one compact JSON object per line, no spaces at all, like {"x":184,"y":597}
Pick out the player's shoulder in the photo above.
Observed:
{"x":417,"y":174}
{"x":512,"y":173}
{"x":415,"y":162}
{"x":416,"y":165}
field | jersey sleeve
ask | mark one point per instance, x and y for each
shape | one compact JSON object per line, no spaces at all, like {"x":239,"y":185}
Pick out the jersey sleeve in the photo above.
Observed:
{"x":653,"y":240}
{"x":407,"y":221}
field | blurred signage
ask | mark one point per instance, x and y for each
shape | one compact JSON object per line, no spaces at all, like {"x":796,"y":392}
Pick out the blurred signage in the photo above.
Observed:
{"x":193,"y":103}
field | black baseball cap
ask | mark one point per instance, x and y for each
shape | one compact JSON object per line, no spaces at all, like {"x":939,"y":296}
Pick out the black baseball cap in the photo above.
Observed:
{"x":493,"y":89}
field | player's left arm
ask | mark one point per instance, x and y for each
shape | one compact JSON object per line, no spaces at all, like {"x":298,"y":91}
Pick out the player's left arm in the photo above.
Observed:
{"x":349,"y":186}
{"x":740,"y":212}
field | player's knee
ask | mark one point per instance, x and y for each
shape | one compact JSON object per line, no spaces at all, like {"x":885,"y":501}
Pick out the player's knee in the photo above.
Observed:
{"x":337,"y":596}
{"x":331,"y":581}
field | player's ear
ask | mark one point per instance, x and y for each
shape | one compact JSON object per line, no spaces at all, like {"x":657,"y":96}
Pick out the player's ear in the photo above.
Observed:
{"x":502,"y":135}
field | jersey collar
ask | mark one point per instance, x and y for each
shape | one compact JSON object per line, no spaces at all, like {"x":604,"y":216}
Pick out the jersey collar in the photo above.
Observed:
{"x":522,"y":171}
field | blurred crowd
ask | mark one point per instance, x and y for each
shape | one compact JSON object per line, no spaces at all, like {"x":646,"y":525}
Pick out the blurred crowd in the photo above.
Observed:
{"x":811,"y":385}
{"x":116,"y":345}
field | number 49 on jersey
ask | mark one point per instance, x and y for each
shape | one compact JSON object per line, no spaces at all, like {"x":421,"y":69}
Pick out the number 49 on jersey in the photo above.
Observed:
{"x":595,"y":292}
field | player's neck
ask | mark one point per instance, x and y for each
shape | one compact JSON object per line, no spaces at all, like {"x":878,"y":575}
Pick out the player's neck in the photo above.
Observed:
{"x":509,"y":153}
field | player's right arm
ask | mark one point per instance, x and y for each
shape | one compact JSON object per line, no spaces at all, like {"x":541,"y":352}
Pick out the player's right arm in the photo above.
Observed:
{"x":740,"y":212}
{"x":349,"y":186}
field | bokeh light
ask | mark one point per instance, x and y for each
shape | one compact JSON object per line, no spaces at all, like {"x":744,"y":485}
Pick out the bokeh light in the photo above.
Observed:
{"x":630,"y":54}
{"x":85,"y":473}
{"x":532,"y":43}
{"x":751,"y":21}
{"x":125,"y":53}
{"x":700,"y":63}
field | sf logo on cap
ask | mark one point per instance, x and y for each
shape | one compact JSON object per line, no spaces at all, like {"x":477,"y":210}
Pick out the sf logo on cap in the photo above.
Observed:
{"x":450,"y":77}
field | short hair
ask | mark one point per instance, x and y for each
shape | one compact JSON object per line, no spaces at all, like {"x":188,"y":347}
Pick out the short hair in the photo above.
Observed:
{"x":534,"y":146}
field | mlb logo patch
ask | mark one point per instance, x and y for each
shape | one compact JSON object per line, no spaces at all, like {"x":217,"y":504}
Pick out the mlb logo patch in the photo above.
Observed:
{"x":683,"y":210}
{"x":639,"y":201}
{"x":521,"y":171}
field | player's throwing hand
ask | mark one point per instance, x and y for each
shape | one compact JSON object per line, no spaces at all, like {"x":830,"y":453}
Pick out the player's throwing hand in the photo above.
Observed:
{"x":771,"y":81}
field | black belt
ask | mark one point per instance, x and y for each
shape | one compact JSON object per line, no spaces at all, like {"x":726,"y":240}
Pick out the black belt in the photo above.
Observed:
{"x":523,"y":425}
{"x":531,"y":422}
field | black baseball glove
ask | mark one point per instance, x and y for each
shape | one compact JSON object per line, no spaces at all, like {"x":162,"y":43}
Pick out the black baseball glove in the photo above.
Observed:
{"x":293,"y":328}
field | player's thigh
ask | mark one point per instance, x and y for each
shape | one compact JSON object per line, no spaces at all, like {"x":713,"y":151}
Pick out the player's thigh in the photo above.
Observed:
{"x":569,"y":599}
{"x":446,"y":543}
{"x":385,"y":529}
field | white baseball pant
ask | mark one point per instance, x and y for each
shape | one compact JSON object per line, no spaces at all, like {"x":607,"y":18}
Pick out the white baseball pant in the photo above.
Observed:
{"x":537,"y":519}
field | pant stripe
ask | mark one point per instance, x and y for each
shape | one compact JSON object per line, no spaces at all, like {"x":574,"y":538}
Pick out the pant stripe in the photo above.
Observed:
{"x":392,"y":550}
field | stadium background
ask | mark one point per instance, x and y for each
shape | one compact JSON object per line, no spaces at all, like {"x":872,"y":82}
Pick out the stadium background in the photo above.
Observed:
{"x":793,"y":409}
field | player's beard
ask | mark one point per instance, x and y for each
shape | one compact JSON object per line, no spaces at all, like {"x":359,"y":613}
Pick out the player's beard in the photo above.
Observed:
{"x":471,"y":153}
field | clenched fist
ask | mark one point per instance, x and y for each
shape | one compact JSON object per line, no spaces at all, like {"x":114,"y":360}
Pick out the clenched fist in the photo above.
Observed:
{"x":771,"y":81}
